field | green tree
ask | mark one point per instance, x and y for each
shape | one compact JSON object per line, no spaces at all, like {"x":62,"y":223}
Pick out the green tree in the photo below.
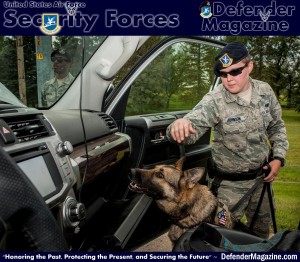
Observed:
{"x":30,"y":70}
{"x":183,"y":72}
{"x":9,"y":69}
{"x":8,"y":65}
{"x":283,"y":66}
{"x":198,"y":70}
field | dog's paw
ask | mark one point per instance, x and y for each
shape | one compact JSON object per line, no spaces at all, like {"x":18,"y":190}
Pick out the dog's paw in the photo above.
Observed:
{"x":175,"y":232}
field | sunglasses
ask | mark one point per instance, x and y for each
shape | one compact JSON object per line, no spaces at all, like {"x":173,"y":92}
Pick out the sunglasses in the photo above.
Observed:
{"x":234,"y":72}
{"x":59,"y":59}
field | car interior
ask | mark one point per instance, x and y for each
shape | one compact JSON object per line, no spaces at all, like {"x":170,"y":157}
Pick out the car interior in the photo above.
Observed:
{"x":75,"y":155}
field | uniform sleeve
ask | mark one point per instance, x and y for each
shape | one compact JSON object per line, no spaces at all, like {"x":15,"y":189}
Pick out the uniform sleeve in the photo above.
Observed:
{"x":277,"y":130}
{"x":202,"y":117}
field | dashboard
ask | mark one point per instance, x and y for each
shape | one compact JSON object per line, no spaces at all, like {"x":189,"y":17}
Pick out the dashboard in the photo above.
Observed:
{"x":63,"y":152}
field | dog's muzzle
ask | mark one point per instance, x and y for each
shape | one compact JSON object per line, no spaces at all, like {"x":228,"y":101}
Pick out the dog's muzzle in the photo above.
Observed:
{"x":134,"y":185}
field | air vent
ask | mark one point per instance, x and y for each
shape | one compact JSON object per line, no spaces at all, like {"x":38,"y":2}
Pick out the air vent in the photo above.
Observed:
{"x":29,"y":127}
{"x":110,"y":122}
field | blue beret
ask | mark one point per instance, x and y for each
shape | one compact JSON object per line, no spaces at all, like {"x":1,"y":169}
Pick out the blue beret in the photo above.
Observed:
{"x":231,"y":54}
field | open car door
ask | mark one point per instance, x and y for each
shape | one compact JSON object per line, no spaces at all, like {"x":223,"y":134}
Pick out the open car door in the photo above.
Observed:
{"x":165,"y":85}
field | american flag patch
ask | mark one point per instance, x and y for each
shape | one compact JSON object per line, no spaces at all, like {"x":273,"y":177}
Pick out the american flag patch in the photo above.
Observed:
{"x":222,"y":217}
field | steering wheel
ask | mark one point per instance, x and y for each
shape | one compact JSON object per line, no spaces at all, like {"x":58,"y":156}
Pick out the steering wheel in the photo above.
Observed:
{"x":23,"y":209}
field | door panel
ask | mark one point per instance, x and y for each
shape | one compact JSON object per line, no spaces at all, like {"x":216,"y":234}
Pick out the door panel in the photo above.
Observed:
{"x":151,"y":147}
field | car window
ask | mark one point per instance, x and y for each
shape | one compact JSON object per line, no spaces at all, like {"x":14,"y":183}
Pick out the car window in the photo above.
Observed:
{"x":175,"y":80}
{"x":30,"y":65}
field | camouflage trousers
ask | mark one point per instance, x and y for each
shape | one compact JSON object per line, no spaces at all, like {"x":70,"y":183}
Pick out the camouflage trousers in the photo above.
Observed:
{"x":230,"y":192}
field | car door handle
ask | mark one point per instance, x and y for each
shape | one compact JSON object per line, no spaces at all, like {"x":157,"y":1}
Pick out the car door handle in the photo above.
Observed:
{"x":158,"y":140}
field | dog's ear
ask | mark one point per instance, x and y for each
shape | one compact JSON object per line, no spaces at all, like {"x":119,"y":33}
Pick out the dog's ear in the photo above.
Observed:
{"x":179,"y":163}
{"x":194,"y":175}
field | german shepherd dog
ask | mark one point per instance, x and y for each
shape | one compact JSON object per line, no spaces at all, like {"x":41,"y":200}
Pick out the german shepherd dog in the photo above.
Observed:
{"x":180,"y":196}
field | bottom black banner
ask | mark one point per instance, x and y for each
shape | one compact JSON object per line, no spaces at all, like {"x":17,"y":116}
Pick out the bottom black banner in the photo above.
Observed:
{"x":138,"y":256}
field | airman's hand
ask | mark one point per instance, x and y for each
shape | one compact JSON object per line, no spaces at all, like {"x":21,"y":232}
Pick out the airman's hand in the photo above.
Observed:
{"x":181,"y":129}
{"x":275,"y":166}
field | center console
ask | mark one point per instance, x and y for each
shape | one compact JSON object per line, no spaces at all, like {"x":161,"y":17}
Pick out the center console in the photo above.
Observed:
{"x":35,"y":146}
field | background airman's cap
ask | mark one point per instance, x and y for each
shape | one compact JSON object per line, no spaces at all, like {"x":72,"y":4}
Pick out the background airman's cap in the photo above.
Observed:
{"x":231,"y":54}
{"x":62,"y":52}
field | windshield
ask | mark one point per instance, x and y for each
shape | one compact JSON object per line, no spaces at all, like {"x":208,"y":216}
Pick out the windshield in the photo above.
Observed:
{"x":38,"y":70}
{"x":7,"y":97}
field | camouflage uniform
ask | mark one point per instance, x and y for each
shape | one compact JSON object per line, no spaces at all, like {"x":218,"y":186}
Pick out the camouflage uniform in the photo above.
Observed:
{"x":51,"y":92}
{"x":242,"y":135}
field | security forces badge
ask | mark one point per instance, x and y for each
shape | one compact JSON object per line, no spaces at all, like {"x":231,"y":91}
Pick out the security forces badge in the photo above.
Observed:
{"x":226,"y":60}
{"x":206,"y":9}
{"x":50,"y":24}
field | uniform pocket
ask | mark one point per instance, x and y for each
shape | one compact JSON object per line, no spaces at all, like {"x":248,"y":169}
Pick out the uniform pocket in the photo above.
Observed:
{"x":255,"y":138}
{"x":235,"y":136}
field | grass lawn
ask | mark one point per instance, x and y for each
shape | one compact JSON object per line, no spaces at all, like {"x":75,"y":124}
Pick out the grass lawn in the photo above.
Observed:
{"x":287,"y":205}
{"x":287,"y":185}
